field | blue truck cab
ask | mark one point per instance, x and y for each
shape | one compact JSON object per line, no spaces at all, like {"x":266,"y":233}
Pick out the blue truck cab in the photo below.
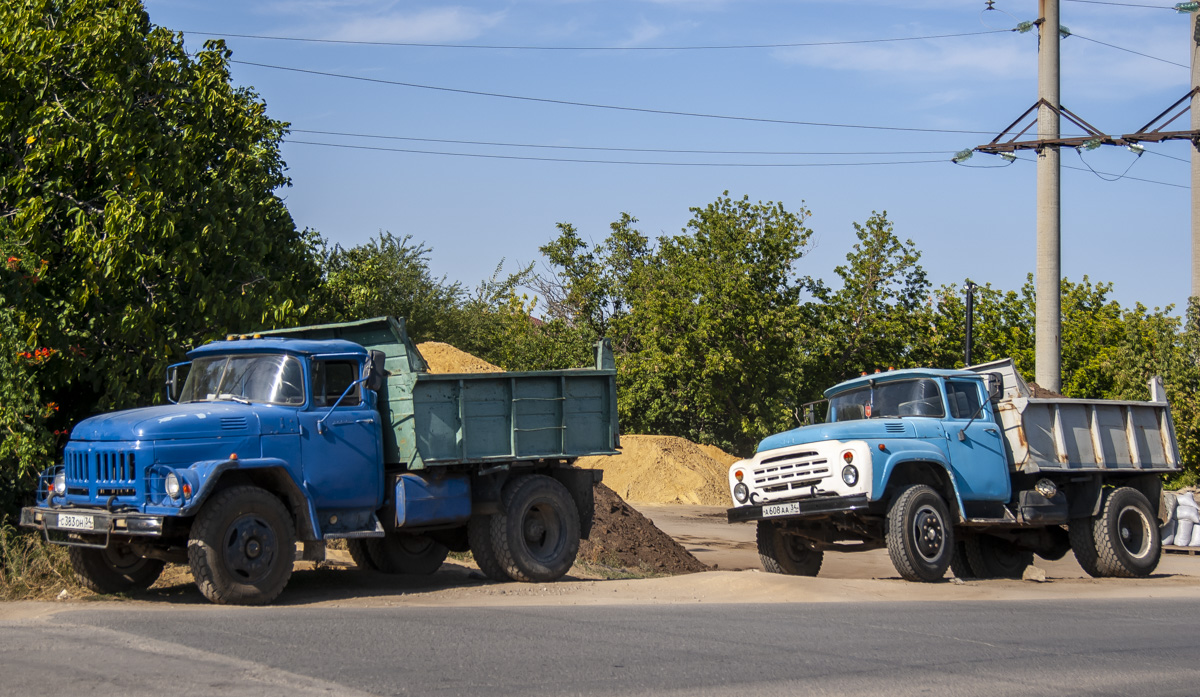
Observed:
{"x":960,"y":469}
{"x":329,"y":432}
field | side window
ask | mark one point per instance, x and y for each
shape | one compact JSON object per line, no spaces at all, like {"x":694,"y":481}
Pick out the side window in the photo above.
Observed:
{"x":963,"y":398}
{"x":330,"y":380}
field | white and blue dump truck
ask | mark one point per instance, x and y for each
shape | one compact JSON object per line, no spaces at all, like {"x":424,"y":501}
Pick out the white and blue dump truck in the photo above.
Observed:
{"x":966,"y":470}
{"x":330,"y":432}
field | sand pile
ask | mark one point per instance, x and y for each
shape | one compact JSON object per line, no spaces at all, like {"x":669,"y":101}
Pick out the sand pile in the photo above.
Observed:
{"x":666,"y":469}
{"x":622,"y":537}
{"x":444,"y":358}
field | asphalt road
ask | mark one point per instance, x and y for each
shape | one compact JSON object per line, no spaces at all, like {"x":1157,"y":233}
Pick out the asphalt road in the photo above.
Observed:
{"x":1113,"y":647}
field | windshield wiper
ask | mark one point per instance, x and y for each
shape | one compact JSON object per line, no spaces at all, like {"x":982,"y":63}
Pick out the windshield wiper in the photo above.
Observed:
{"x":239,"y":400}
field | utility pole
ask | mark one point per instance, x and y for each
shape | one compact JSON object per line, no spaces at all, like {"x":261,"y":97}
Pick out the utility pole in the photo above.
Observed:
{"x":1047,"y":369}
{"x":969,"y":340}
{"x":1193,"y":49}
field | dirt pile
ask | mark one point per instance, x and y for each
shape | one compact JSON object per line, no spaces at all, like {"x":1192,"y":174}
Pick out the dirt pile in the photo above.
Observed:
{"x":444,"y":358}
{"x":622,"y":537}
{"x":666,"y":469}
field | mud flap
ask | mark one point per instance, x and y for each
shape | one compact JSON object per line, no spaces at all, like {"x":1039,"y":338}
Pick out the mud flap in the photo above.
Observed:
{"x":580,"y":483}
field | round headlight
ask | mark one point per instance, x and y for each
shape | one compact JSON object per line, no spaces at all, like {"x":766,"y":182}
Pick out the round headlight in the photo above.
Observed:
{"x":1046,"y":488}
{"x":850,"y":475}
{"x":172,"y":484}
{"x":741,"y":492}
{"x":60,"y":483}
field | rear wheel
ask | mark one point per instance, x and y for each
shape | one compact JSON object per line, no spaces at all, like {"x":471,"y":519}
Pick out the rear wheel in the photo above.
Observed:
{"x":995,"y":557}
{"x":536,"y":536}
{"x":960,"y":565}
{"x":920,"y":539}
{"x":114,"y":569}
{"x":1126,"y":535}
{"x":1083,"y":544}
{"x":398,"y":553}
{"x":360,"y":555}
{"x":781,"y":553}
{"x":479,"y":537}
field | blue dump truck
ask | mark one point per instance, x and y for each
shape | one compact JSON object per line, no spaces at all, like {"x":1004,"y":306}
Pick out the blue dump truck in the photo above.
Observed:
{"x":330,"y":432}
{"x":962,"y":469}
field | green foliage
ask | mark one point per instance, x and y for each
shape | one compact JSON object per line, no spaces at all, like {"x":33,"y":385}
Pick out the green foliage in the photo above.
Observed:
{"x":137,"y":215}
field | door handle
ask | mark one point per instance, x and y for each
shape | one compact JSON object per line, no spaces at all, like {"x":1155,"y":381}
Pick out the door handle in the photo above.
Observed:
{"x":992,"y":431}
{"x":367,"y":420}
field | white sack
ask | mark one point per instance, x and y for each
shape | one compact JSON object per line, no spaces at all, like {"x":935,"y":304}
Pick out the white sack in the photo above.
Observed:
{"x":1195,"y":536}
{"x":1183,"y":532}
{"x":1191,"y":515}
{"x":1167,"y":533}
{"x":1187,"y":499}
{"x":1169,"y":503}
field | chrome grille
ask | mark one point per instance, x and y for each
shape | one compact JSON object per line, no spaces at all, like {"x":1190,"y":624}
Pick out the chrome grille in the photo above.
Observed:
{"x":114,"y":467}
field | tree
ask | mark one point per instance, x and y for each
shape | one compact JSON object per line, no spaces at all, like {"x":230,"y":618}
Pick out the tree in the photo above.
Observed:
{"x":391,"y":276}
{"x":708,"y":326}
{"x":137,"y":214}
{"x":871,"y":321}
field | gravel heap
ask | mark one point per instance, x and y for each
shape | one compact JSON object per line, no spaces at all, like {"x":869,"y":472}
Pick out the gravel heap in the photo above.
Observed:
{"x":622,"y":537}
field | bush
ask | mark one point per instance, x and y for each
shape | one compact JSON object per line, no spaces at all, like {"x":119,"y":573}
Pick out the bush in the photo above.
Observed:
{"x":32,"y":569}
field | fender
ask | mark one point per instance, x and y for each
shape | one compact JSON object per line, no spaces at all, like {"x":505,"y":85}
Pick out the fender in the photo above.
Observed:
{"x":906,"y":451}
{"x":206,"y":474}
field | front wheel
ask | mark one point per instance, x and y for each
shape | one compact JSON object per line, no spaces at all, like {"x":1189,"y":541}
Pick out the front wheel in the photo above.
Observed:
{"x":114,"y":569}
{"x":1126,"y":535}
{"x":781,"y":553}
{"x":242,"y":547}
{"x":920,"y":539}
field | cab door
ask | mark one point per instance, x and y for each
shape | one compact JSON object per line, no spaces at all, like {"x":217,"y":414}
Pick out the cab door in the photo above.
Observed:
{"x":977,"y":458}
{"x":341,"y":447}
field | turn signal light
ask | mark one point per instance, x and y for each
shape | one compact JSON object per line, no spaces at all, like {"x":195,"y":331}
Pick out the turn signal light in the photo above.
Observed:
{"x":848,"y":456}
{"x":738,"y":475}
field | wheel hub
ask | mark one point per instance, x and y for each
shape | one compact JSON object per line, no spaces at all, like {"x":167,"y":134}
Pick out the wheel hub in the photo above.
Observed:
{"x":929,"y":535}
{"x":250,"y":548}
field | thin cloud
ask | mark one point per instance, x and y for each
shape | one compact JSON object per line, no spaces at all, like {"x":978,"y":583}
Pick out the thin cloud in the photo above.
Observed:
{"x":441,"y":24}
{"x":919,"y":59}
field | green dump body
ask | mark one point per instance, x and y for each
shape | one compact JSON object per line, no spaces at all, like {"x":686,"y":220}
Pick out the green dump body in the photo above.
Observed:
{"x":480,"y":418}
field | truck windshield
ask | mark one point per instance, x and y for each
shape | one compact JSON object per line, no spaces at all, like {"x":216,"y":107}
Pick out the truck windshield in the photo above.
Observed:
{"x":268,"y":378}
{"x":889,"y":400}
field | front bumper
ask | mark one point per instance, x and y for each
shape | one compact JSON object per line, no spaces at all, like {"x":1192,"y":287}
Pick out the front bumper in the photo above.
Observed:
{"x":85,"y":527}
{"x":800,"y":509}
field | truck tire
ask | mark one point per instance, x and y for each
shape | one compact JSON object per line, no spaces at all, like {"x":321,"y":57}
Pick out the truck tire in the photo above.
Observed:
{"x":399,"y":553}
{"x":242,"y":547}
{"x":536,"y":535}
{"x":781,"y":553}
{"x":1083,"y":544}
{"x":1126,"y":534}
{"x":995,"y":557}
{"x":360,"y":555}
{"x":114,"y":569}
{"x":960,"y":566}
{"x":479,"y":537}
{"x":920,"y":539}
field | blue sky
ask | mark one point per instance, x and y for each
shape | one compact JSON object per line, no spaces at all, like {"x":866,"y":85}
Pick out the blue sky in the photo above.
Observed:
{"x":975,"y":221}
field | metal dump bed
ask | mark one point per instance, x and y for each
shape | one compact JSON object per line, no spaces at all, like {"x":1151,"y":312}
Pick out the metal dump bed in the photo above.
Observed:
{"x":1060,"y":434}
{"x":448,"y":419}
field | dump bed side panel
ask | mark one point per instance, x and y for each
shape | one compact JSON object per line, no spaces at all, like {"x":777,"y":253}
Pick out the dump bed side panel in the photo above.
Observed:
{"x":1091,"y":435}
{"x":515,"y":416}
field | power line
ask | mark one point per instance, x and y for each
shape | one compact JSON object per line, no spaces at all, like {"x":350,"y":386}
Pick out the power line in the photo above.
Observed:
{"x":615,"y":162}
{"x":601,"y":48}
{"x":613,"y":149}
{"x":611,"y":107}
{"x":1129,"y":50}
{"x":1111,"y":174}
{"x":1169,"y":157}
{"x":1124,"y":4}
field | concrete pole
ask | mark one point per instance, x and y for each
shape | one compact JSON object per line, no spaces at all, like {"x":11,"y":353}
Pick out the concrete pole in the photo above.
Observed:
{"x":1194,"y":48}
{"x":1047,"y":370}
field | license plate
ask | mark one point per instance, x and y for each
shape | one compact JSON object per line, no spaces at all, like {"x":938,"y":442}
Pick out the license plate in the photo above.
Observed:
{"x":781,"y":509}
{"x":76,"y":522}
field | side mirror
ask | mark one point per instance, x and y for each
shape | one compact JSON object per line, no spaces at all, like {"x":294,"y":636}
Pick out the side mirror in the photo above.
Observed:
{"x":995,"y":383}
{"x":376,"y":374}
{"x":176,"y":377}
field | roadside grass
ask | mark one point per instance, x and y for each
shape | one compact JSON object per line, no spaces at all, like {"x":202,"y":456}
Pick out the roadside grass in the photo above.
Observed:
{"x":32,"y":569}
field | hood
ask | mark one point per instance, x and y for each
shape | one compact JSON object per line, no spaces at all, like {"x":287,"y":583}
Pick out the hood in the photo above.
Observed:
{"x":172,"y":421}
{"x":842,"y":430}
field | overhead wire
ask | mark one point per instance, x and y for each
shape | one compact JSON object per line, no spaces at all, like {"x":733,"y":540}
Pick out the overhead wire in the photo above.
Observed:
{"x":1129,"y":50}
{"x":610,"y":107}
{"x":1136,"y":179}
{"x":496,"y":156}
{"x":494,"y":47}
{"x":1124,"y":4}
{"x":615,"y":149}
